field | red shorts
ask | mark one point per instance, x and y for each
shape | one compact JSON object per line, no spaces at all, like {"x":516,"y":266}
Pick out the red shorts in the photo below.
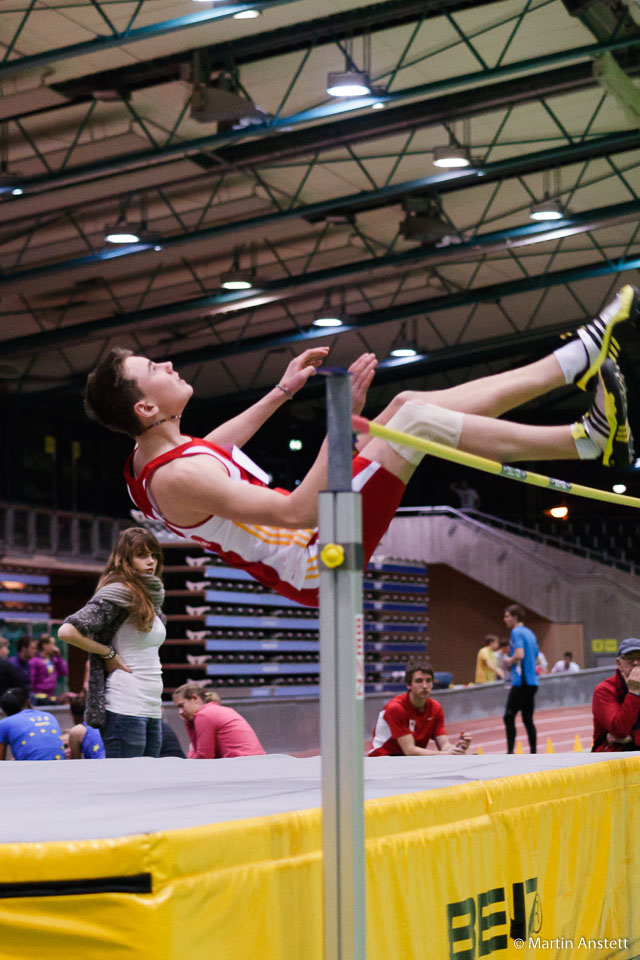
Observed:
{"x":381,"y":493}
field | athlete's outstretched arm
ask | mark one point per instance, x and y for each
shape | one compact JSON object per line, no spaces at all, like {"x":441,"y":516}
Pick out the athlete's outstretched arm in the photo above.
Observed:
{"x":240,"y":429}
{"x":189,"y":489}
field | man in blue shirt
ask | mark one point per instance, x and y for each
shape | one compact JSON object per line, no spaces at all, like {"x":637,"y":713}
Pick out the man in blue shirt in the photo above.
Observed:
{"x":31,"y":734}
{"x":523,"y":655}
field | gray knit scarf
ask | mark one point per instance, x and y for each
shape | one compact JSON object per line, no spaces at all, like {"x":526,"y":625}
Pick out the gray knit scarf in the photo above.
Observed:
{"x":119,"y":593}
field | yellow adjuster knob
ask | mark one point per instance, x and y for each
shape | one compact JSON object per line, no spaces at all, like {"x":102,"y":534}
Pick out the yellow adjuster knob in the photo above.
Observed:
{"x":332,"y":555}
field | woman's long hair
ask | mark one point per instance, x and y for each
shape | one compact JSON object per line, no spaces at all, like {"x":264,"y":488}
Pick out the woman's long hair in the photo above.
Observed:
{"x":134,"y":542}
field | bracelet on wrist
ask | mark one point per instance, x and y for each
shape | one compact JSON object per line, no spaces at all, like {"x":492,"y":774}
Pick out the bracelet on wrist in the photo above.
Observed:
{"x":110,"y":655}
{"x":286,"y":392}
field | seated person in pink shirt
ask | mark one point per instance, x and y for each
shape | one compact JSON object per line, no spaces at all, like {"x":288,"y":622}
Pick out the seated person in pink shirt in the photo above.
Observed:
{"x":215,"y":731}
{"x":45,"y":669}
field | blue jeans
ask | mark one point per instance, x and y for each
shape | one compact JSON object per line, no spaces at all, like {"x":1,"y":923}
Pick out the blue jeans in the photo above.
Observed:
{"x":126,"y":736}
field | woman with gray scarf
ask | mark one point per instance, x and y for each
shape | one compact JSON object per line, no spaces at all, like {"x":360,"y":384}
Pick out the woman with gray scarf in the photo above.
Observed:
{"x":122,"y":628}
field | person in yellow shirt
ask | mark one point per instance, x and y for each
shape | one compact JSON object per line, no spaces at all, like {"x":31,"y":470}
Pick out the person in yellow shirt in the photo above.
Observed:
{"x":487,"y":669}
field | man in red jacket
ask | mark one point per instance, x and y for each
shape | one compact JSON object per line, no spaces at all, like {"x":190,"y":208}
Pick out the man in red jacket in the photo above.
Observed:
{"x":616,"y":703}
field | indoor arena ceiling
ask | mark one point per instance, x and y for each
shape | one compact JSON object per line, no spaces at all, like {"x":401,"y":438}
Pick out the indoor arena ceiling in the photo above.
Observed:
{"x":213,"y":136}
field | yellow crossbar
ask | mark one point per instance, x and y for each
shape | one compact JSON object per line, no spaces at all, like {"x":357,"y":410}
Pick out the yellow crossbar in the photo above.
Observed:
{"x":362,"y":425}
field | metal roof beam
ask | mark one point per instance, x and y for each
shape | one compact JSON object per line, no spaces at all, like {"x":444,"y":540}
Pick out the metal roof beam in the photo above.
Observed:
{"x":446,"y":358}
{"x":320,"y":137}
{"x":272,"y":43}
{"x":287,"y":287}
{"x":439,"y":183}
{"x":11,"y":68}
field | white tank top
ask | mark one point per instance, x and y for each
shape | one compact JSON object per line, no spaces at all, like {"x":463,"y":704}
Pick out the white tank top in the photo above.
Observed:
{"x":139,"y":693}
{"x":292,"y":555}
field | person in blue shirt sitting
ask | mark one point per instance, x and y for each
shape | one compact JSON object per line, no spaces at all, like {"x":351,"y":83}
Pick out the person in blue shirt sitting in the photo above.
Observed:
{"x":85,"y":742}
{"x":31,"y":734}
{"x":523,"y":658}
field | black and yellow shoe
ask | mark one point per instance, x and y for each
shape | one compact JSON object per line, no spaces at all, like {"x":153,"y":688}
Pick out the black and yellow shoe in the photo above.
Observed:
{"x":605,"y":424}
{"x":597,"y":336}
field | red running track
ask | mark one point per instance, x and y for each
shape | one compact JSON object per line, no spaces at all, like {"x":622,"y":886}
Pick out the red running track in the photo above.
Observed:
{"x":560,"y":725}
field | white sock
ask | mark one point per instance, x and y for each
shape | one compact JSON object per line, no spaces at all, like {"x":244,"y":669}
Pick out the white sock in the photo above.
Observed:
{"x":587,"y":448}
{"x":573,"y":358}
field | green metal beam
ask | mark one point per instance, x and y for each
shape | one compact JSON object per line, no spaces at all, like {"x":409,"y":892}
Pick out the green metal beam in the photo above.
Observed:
{"x":11,"y":68}
{"x":320,"y":280}
{"x":440,"y":183}
{"x":365,"y":126}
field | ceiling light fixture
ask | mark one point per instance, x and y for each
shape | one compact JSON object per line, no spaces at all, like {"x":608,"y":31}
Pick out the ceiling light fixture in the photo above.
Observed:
{"x":452,"y":156}
{"x":403,"y":352}
{"x":10,"y":183}
{"x":239,"y":277}
{"x":237,"y":280}
{"x":404,"y":344}
{"x":327,"y":322}
{"x":548,"y":209}
{"x":348,"y":83}
{"x":328,"y":315}
{"x":122,"y":232}
{"x":619,"y":488}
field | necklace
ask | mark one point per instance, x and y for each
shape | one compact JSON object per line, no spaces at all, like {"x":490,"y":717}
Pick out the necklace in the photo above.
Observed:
{"x":176,"y":416}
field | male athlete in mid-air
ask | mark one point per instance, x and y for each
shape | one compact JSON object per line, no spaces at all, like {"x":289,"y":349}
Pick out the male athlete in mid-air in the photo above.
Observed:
{"x":209,"y":491}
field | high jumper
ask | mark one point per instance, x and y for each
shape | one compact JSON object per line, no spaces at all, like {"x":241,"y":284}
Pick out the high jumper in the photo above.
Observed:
{"x":207,"y":490}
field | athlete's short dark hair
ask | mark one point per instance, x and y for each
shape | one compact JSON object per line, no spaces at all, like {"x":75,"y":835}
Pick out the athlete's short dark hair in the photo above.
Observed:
{"x":415,"y":666}
{"x":110,"y":396}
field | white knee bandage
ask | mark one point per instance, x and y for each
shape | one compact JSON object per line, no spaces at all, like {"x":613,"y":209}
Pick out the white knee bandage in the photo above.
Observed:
{"x":428,"y":422}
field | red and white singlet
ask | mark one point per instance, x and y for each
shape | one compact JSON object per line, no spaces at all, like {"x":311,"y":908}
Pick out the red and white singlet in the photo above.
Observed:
{"x":281,"y":559}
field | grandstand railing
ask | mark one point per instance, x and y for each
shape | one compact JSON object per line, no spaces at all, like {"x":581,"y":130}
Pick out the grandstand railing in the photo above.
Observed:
{"x":581,"y":538}
{"x":29,"y":531}
{"x":26,"y":530}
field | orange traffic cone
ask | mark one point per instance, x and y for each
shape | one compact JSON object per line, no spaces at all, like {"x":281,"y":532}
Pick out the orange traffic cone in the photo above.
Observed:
{"x":519,"y":747}
{"x":479,"y":751}
{"x":577,"y":746}
{"x":549,"y":747}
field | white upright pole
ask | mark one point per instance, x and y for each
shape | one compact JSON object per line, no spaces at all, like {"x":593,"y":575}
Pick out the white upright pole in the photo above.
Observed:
{"x":342,"y":688}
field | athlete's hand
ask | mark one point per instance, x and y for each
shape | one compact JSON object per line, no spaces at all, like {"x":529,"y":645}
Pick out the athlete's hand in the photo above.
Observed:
{"x":116,"y":663}
{"x":302,"y":367}
{"x":463,"y":743}
{"x":362,"y":372}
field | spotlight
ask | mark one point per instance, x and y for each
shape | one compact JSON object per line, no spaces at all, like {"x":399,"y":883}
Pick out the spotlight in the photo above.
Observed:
{"x":403,"y":352}
{"x":619,"y":488}
{"x":10,"y":183}
{"x":295,"y":444}
{"x":237,"y":280}
{"x":559,"y":513}
{"x":247,"y":15}
{"x":122,"y":232}
{"x":349,"y":83}
{"x":451,"y":156}
{"x":548,"y":209}
{"x":327,"y":321}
